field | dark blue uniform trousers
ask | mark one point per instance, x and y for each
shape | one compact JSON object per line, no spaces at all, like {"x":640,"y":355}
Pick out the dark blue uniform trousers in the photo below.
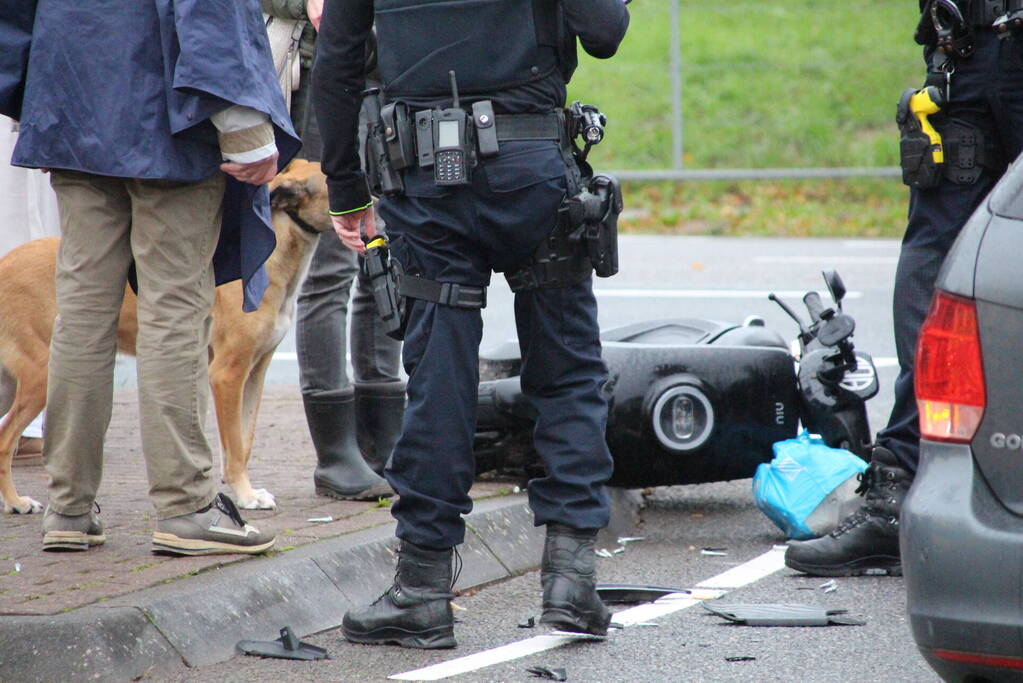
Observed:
{"x":459,"y":235}
{"x":987,"y":92}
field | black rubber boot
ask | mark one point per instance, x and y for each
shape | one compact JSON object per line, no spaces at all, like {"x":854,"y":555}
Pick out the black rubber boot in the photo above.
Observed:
{"x":416,"y":610}
{"x":867,"y":541}
{"x":379,"y":409}
{"x":569,"y":579}
{"x":340,"y":470}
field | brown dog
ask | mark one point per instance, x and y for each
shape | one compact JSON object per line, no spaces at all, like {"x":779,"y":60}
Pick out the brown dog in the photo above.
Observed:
{"x":241,"y":344}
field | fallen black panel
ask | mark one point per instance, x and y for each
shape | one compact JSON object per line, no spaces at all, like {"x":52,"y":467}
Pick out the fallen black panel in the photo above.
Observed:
{"x":549,"y":674}
{"x":623,"y":593}
{"x":285,"y":647}
{"x":780,"y":614}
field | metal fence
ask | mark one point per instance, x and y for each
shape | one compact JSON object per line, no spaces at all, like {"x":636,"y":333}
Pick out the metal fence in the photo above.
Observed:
{"x":679,"y":174}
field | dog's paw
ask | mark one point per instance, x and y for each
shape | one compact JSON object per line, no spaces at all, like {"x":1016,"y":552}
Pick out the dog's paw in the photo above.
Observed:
{"x":261,"y":500}
{"x":24,"y":506}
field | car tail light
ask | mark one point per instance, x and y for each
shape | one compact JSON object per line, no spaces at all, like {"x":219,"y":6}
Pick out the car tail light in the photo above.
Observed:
{"x":949,"y":374}
{"x":997,"y":661}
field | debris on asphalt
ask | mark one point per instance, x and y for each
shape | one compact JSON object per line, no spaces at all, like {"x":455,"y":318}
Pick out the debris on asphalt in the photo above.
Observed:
{"x":17,"y":567}
{"x":619,"y":550}
{"x":828,"y":586}
{"x":624,"y":540}
{"x":627,"y":594}
{"x":740,"y":659}
{"x":778,"y":614}
{"x":528,"y":623}
{"x":547,"y":673}
{"x":603,"y":552}
{"x":320,"y":519}
{"x":285,"y":647}
{"x":458,"y":608}
{"x":720,"y":552}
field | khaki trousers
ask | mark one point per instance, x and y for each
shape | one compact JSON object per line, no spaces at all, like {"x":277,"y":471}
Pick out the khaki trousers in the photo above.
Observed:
{"x":169,"y":231}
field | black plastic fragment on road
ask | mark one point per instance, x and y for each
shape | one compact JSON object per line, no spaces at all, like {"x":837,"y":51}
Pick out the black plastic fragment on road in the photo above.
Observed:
{"x":285,"y":647}
{"x":740,"y":659}
{"x":628,"y":594}
{"x":779,"y":614}
{"x":528,"y":623}
{"x":549,"y":674}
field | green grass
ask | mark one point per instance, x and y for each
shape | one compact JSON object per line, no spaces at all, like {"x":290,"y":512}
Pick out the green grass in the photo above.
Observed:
{"x":786,"y":83}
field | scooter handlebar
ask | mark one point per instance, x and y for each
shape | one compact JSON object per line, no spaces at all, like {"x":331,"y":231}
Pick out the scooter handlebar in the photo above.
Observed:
{"x":813,"y":305}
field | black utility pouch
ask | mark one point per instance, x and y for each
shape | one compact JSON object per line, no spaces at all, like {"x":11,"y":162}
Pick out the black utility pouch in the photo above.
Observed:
{"x":916,"y":152}
{"x":601,"y":235}
{"x":384,"y":271}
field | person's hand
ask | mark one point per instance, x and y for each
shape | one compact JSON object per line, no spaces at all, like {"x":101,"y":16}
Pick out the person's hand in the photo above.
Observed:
{"x":255,"y":173}
{"x":314,"y":10}
{"x":351,"y":227}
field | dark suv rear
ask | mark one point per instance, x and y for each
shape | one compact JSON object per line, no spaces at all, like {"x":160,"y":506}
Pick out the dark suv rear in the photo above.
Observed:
{"x":962,"y":523}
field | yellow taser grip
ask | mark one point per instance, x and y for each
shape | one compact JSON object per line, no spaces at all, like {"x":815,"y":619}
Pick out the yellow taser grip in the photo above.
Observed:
{"x":922,"y":105}
{"x":377,"y":242}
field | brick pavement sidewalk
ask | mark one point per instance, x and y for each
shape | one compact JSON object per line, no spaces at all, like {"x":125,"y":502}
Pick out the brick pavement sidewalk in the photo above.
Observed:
{"x":36,"y":583}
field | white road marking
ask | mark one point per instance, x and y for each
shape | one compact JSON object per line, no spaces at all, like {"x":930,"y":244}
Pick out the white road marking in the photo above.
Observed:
{"x":830,"y":260}
{"x":736,"y":577}
{"x":705,"y":293}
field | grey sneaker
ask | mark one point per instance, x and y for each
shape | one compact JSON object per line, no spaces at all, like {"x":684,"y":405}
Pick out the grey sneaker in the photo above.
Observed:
{"x":216,"y":529}
{"x":71,"y":532}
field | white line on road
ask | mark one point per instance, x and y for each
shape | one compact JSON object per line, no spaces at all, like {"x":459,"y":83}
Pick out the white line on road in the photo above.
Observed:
{"x":704,"y":293}
{"x":736,"y":577}
{"x":830,"y":260}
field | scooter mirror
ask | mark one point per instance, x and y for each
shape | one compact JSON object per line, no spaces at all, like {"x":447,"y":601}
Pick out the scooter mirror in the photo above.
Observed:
{"x":835,"y":286}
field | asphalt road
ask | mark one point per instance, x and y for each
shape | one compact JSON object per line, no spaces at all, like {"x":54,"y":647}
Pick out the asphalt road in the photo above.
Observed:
{"x":725,"y":279}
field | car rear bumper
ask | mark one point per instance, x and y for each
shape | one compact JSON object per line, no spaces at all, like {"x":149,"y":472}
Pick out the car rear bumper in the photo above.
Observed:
{"x":962,"y":554}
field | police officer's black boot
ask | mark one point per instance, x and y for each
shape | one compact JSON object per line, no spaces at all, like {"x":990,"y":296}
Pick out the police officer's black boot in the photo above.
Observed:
{"x":379,"y":409}
{"x":569,"y":579}
{"x":340,"y":470}
{"x":867,"y":541}
{"x":416,"y":610}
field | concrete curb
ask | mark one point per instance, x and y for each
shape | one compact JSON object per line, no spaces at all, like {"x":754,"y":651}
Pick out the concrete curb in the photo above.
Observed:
{"x":198,"y":620}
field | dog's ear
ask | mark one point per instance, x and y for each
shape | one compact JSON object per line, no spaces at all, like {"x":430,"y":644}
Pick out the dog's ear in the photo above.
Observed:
{"x":287,"y":194}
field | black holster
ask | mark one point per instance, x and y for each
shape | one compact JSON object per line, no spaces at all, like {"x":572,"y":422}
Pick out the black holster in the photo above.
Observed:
{"x":916,"y":153}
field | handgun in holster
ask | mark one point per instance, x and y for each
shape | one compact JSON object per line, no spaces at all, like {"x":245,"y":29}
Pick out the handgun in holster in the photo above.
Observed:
{"x":921,"y":152}
{"x":384,"y":273}
{"x":595,"y":211}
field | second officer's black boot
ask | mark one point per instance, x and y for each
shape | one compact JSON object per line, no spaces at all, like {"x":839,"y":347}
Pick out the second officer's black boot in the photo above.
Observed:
{"x":379,"y":409}
{"x":340,"y":470}
{"x":867,"y":541}
{"x":569,"y":579}
{"x":416,"y":610}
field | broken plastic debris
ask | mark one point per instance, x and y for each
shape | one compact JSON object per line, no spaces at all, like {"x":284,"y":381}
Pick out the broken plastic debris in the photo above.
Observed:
{"x":603,"y":552}
{"x":458,"y":608}
{"x":622,"y":540}
{"x":548,"y":673}
{"x":285,"y":647}
{"x":622,"y":593}
{"x":576,"y":635}
{"x":516,"y":490}
{"x":740,"y":659}
{"x":17,"y":567}
{"x":320,"y":519}
{"x":528,"y":623}
{"x":829,"y":586}
{"x":619,"y":550}
{"x":782,"y":615}
{"x":720,"y":552}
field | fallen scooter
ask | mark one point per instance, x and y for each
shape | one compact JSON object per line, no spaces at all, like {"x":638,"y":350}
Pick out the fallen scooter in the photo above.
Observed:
{"x":694,"y":400}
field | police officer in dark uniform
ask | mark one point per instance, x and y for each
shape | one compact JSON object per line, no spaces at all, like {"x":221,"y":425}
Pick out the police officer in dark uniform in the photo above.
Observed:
{"x":973,"y":98}
{"x":480,"y":191}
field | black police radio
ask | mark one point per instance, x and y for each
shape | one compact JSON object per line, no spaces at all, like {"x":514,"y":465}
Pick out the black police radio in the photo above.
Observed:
{"x":450,"y":148}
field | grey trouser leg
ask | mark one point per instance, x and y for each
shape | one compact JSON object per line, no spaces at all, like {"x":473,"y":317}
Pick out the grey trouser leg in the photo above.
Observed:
{"x":322,"y":321}
{"x":170,"y":230}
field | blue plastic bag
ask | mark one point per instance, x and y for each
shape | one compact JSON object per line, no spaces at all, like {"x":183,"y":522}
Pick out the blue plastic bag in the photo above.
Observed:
{"x":802,"y":475}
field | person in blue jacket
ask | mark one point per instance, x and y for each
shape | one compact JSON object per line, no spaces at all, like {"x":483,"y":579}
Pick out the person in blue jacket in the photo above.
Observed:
{"x":160,"y":121}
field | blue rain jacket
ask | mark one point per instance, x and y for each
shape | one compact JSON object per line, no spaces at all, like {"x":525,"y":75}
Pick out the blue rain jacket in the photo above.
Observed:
{"x":126,"y":89}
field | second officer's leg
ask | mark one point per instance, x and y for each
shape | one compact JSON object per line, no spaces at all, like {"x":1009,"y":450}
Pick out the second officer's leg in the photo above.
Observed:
{"x":327,"y":394}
